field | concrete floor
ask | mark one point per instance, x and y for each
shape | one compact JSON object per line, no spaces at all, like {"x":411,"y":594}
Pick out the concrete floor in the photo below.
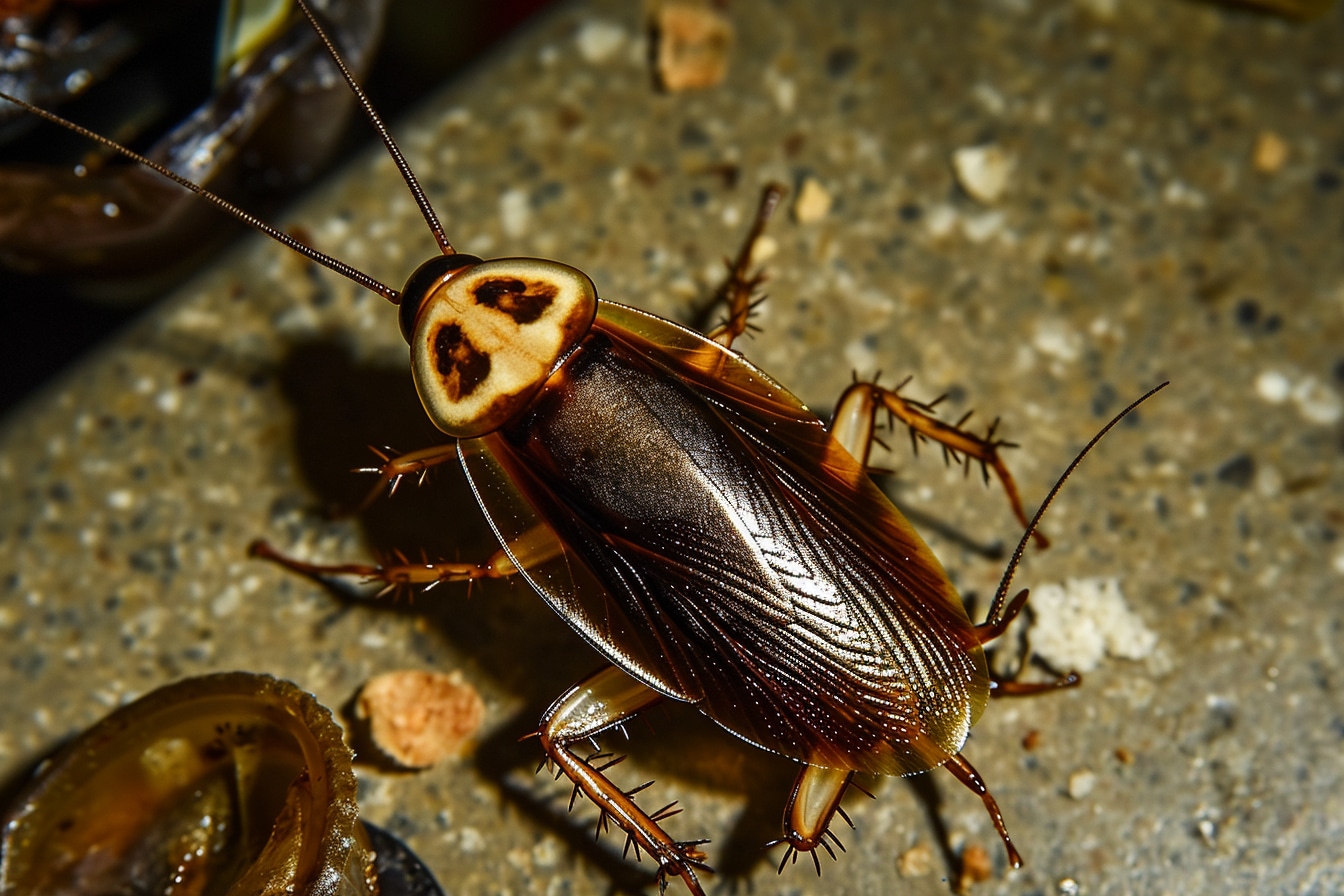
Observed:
{"x":1136,"y":240}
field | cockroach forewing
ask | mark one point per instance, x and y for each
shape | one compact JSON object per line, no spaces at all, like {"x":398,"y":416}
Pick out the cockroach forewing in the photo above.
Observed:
{"x":713,"y":540}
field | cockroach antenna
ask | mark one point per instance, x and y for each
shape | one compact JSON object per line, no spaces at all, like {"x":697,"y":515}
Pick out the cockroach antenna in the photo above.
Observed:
{"x":215,"y":199}
{"x":376,"y":120}
{"x":996,"y":608}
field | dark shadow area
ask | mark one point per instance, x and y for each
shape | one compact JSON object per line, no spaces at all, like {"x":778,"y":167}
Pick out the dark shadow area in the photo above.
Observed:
{"x":47,"y":323}
{"x":926,"y":522}
{"x":927,"y":792}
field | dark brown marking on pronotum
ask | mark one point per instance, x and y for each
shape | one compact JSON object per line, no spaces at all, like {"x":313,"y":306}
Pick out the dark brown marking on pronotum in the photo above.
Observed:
{"x":462,"y":365}
{"x":524,"y":302}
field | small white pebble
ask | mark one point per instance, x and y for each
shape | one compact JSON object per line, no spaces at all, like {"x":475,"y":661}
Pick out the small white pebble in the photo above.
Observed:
{"x":598,"y":41}
{"x":1178,"y":192}
{"x":226,"y":603}
{"x":813,"y":202}
{"x":1273,"y":386}
{"x":1081,"y":783}
{"x":979,"y":228}
{"x":1317,"y":401}
{"x":940,"y":220}
{"x":121,"y":499}
{"x":1057,"y":340}
{"x":983,"y":171}
{"x":990,"y":98}
{"x":514,"y":212}
{"x":470,"y":840}
{"x":1338,"y":563}
{"x":168,"y":401}
{"x":765,"y":248}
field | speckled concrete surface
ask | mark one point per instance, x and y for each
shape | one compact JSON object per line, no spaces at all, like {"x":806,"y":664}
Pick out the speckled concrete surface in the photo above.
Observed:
{"x":1135,"y":241}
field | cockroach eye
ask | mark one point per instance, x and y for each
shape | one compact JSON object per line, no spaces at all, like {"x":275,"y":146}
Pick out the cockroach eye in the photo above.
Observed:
{"x":487,"y":335}
{"x":427,"y":278}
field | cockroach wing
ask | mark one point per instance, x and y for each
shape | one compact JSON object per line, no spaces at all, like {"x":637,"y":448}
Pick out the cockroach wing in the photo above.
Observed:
{"x":701,"y":528}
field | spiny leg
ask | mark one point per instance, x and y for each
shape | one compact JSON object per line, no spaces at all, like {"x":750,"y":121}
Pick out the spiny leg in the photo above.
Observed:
{"x":739,"y":292}
{"x":536,"y":545}
{"x":854,"y":425}
{"x":813,"y":805}
{"x":598,"y":703}
{"x":395,"y":467}
{"x":991,"y":629}
{"x":967,"y":775}
{"x":395,"y":576}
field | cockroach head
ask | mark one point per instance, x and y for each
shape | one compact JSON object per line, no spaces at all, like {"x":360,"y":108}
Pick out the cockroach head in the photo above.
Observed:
{"x":485,"y":335}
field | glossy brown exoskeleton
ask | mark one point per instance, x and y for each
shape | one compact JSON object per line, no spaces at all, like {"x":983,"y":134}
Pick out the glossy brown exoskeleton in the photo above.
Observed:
{"x":699,"y":527}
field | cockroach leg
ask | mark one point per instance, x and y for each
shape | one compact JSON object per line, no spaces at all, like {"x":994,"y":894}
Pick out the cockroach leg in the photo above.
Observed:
{"x":967,"y":775}
{"x":812,"y":807}
{"x":989,"y":630}
{"x":395,"y":467}
{"x":739,"y":292}
{"x":395,"y":576}
{"x":598,"y":703}
{"x":854,"y":425}
{"x":536,"y":545}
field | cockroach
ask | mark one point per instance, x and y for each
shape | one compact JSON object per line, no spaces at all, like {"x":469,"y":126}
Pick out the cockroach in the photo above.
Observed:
{"x":695,"y":523}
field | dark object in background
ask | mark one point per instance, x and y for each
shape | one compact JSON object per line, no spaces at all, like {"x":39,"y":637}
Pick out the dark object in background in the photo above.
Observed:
{"x":262,"y":136}
{"x":270,"y":120}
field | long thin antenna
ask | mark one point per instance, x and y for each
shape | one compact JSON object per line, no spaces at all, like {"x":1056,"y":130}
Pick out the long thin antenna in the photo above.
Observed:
{"x":221,"y":203}
{"x":997,"y":606}
{"x":393,"y":150}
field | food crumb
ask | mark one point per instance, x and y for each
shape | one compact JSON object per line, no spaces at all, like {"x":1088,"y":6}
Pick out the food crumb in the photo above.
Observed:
{"x":975,"y":867}
{"x":418,"y":718}
{"x":693,"y":40}
{"x":1083,"y":620}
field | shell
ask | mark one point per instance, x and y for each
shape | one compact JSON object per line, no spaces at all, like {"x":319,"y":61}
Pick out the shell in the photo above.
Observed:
{"x":232,"y":783}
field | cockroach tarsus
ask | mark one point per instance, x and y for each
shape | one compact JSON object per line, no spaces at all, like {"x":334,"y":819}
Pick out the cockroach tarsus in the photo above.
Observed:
{"x":774,"y":586}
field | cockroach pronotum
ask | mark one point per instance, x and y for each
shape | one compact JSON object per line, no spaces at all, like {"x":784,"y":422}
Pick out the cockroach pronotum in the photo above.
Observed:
{"x":695,"y":523}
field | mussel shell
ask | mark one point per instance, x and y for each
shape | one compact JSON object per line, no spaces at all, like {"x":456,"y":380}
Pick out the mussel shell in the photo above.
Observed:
{"x":233,"y":784}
